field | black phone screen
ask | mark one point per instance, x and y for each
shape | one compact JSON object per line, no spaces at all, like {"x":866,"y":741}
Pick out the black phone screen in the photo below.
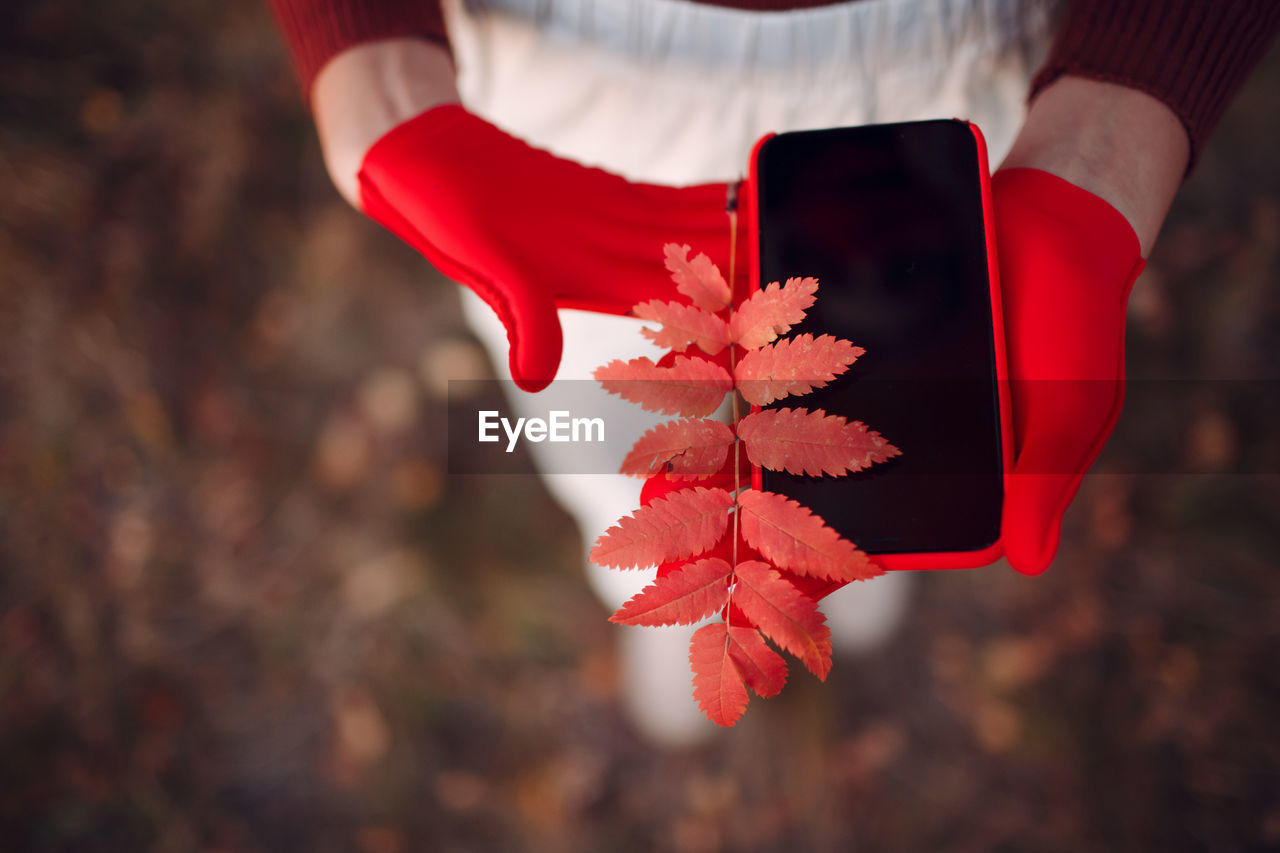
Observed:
{"x":889,"y":219}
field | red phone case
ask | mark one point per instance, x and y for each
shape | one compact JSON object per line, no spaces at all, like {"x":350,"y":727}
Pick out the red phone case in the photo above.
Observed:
{"x":940,"y":559}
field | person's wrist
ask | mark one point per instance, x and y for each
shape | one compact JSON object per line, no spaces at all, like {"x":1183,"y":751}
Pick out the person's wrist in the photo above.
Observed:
{"x":1120,"y":144}
{"x":365,"y":91}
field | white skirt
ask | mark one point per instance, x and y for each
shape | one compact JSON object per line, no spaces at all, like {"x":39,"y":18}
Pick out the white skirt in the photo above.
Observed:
{"x":674,"y":92}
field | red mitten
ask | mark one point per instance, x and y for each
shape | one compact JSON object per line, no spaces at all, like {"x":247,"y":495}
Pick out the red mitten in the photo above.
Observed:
{"x":1067,"y":262}
{"x":531,"y":232}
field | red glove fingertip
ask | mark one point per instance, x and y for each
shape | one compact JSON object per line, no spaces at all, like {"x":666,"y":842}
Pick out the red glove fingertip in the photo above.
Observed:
{"x":1033,"y":520}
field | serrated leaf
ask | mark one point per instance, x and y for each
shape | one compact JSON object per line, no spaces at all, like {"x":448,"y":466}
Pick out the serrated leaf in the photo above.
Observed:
{"x":814,"y":443}
{"x":761,"y":667}
{"x":771,"y":312}
{"x":684,"y":523}
{"x":725,"y":548}
{"x":685,"y":596}
{"x":784,"y":614}
{"x":718,"y":686}
{"x":683,"y":325}
{"x":792,"y":537}
{"x":793,"y":366}
{"x":693,"y":387}
{"x":699,"y":279}
{"x":695,"y":448}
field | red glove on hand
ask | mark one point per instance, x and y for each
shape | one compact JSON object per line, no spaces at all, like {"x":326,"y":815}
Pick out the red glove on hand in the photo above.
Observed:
{"x":531,"y":232}
{"x":1067,"y":262}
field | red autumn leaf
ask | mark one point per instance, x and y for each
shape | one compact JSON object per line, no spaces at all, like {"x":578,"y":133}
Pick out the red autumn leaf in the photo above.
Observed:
{"x":792,"y":537}
{"x":799,"y":441}
{"x":793,"y":366}
{"x":683,"y":325}
{"x":771,"y":312}
{"x":761,"y":667}
{"x":683,"y":597}
{"x":726,"y":549}
{"x":693,"y":447}
{"x":718,"y":686}
{"x":693,"y":387}
{"x":698,"y":279}
{"x":685,"y":523}
{"x":784,"y":614}
{"x":815,"y":588}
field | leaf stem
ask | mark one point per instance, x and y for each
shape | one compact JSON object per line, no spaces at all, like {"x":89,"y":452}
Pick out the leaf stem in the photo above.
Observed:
{"x":737,"y":442}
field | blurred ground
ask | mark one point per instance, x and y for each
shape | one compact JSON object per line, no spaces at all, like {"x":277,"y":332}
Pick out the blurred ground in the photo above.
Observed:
{"x":243,"y":609}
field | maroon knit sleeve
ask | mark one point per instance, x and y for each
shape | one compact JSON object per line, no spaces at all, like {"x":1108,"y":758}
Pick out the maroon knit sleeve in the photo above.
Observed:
{"x":1192,"y":54}
{"x":318,"y":30}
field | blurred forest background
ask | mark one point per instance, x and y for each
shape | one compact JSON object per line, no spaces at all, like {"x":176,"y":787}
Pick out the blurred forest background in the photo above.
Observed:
{"x":243,"y":608}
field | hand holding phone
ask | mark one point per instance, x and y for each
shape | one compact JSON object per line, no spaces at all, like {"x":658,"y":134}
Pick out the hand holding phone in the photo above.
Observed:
{"x":1067,"y":262}
{"x":490,"y":211}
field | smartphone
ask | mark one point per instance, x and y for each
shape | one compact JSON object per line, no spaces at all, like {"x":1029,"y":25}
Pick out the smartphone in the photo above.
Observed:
{"x":894,"y":221}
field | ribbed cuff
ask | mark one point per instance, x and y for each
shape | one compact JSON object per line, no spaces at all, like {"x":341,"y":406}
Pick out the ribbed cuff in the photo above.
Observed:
{"x":1192,"y":55}
{"x":769,"y":5}
{"x":317,"y":30}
